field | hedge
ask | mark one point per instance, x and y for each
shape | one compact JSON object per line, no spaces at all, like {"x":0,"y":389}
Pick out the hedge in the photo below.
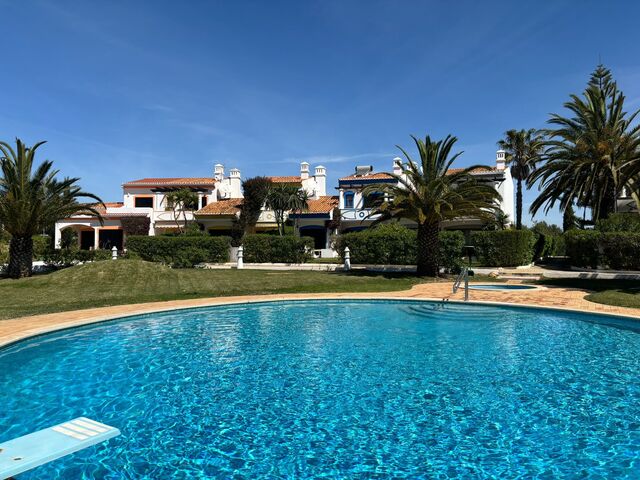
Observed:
{"x":394,"y":244}
{"x":261,"y":248}
{"x":180,"y":252}
{"x":504,"y":248}
{"x":593,"y":249}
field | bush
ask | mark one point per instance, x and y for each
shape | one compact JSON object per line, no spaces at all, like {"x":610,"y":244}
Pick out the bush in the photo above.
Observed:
{"x":41,"y":243}
{"x":504,"y":248}
{"x":389,"y":244}
{"x":621,"y":251}
{"x":394,"y":244}
{"x":620,"y":222}
{"x":68,"y":256}
{"x":260,"y":248}
{"x":180,"y":252}
{"x":593,"y":249}
{"x":450,"y":250}
{"x":549,"y":241}
{"x":4,"y":253}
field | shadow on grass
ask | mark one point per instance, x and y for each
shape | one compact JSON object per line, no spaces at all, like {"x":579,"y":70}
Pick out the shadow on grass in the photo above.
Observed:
{"x":624,"y":286}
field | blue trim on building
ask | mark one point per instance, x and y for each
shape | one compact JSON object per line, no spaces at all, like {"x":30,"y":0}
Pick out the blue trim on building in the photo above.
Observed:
{"x":309,"y":215}
{"x":366,"y":182}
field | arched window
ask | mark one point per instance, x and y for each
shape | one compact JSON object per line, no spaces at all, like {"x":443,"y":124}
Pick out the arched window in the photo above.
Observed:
{"x":348,"y":200}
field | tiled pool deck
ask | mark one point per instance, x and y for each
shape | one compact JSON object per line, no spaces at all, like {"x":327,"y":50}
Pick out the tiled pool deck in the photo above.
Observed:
{"x":555,"y":297}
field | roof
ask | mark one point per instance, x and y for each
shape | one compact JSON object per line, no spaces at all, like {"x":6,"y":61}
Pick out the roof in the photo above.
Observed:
{"x":370,"y":176}
{"x":172,"y":182}
{"x":321,"y":205}
{"x":475,"y":171}
{"x":229,"y":206}
{"x":290,"y":179}
{"x":109,"y":205}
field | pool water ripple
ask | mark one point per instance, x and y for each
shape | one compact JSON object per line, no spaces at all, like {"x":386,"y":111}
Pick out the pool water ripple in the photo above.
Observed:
{"x":336,"y":389}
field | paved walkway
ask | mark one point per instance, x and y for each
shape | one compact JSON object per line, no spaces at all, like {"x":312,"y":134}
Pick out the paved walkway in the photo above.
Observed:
{"x":554,"y":297}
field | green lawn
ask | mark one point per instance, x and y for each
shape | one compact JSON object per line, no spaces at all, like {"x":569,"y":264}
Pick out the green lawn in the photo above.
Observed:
{"x":134,"y":281}
{"x":621,"y":293}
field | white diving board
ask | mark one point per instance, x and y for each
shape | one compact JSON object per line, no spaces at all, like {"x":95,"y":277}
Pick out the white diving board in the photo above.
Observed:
{"x":35,"y":449}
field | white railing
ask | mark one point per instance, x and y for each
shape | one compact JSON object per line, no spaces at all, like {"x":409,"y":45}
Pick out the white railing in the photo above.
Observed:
{"x":463,"y":275}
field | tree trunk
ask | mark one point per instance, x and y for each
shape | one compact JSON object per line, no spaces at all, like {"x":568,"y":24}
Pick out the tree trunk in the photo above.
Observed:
{"x":20,"y":257}
{"x":428,"y":250}
{"x":519,"y":205}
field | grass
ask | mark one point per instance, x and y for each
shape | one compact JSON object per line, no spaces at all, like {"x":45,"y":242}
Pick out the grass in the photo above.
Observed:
{"x":621,"y":293}
{"x":134,"y":281}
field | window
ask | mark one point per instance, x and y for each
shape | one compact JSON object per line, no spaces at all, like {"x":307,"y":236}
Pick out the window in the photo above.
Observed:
{"x":143,"y":202}
{"x":204,"y":201}
{"x":348,"y":200}
{"x":373,"y":200}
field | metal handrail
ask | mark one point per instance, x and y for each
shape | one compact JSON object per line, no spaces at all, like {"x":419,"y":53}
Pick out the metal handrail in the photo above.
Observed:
{"x":463,"y":275}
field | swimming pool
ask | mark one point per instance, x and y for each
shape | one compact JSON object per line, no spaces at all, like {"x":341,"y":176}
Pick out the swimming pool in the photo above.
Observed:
{"x":501,"y":287}
{"x":341,"y":389}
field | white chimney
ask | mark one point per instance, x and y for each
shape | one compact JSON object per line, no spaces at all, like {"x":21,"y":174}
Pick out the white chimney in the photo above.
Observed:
{"x":304,"y":170}
{"x":321,"y":181}
{"x":397,"y":166}
{"x":218,"y":172}
{"x":501,"y":159}
{"x":235,"y":183}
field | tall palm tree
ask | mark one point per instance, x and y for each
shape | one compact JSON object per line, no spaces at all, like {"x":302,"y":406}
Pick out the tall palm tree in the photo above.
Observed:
{"x":523,"y":149}
{"x":283,"y":198}
{"x":592,"y":154}
{"x":31,"y":200}
{"x":428,"y":193}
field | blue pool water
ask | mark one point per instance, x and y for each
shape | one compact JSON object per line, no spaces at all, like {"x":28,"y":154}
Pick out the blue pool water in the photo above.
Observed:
{"x":337,"y":389}
{"x":501,"y":287}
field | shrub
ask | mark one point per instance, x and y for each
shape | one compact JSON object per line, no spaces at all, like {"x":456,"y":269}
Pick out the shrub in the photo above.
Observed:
{"x":4,"y":253}
{"x":620,"y":222}
{"x":387,"y":244}
{"x":450,"y":250}
{"x":260,"y":248}
{"x":621,"y":251}
{"x":68,"y":256}
{"x":41,"y":243}
{"x":504,"y":248}
{"x":548,"y":240}
{"x":394,"y":244}
{"x":582,"y":247}
{"x":182,"y":251}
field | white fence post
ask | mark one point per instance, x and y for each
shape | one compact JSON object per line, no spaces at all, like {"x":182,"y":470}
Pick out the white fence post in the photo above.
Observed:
{"x":240,"y":255}
{"x":114,"y":253}
{"x":347,"y":258}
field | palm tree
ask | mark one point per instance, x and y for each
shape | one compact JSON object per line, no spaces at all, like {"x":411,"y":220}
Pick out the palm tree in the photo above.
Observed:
{"x":32,"y":200}
{"x":427,"y":193}
{"x":180,"y":201}
{"x":592,"y":154}
{"x":523,"y":149}
{"x":283,"y":198}
{"x":501,"y":221}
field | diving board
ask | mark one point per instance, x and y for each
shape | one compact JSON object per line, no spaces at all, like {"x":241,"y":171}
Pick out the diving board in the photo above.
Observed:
{"x":35,"y":449}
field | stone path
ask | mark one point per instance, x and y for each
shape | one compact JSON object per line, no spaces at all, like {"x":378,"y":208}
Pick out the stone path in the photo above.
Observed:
{"x":554,"y":297}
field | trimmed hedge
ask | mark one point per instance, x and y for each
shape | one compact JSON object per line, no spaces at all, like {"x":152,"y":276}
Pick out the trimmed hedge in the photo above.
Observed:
{"x":261,"y":248}
{"x":582,"y":247}
{"x":593,"y":249}
{"x":504,"y":248}
{"x":393,"y":244}
{"x":180,"y":252}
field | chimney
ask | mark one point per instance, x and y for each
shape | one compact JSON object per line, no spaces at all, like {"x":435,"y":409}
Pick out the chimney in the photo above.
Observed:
{"x":397,"y":166}
{"x":218,"y":172}
{"x":304,"y":170}
{"x":321,"y":181}
{"x":235,"y":183}
{"x":501,"y":159}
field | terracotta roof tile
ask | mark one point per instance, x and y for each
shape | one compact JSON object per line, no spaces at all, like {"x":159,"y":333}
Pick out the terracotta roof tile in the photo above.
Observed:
{"x":290,"y":179}
{"x":221,"y":207}
{"x":371,"y":176}
{"x":172,"y":182}
{"x":321,"y":205}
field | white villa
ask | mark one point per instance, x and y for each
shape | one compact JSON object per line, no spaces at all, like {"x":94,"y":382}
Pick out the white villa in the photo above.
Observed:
{"x":144,"y":209}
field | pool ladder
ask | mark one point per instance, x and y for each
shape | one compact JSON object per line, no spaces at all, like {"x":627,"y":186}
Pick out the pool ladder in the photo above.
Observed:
{"x":463,"y":275}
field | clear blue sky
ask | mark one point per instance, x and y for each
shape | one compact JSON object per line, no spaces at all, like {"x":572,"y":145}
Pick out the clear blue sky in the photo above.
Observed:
{"x":128,"y":89}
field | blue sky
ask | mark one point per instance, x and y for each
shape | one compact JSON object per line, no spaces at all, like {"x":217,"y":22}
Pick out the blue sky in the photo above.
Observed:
{"x":126,"y":89}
